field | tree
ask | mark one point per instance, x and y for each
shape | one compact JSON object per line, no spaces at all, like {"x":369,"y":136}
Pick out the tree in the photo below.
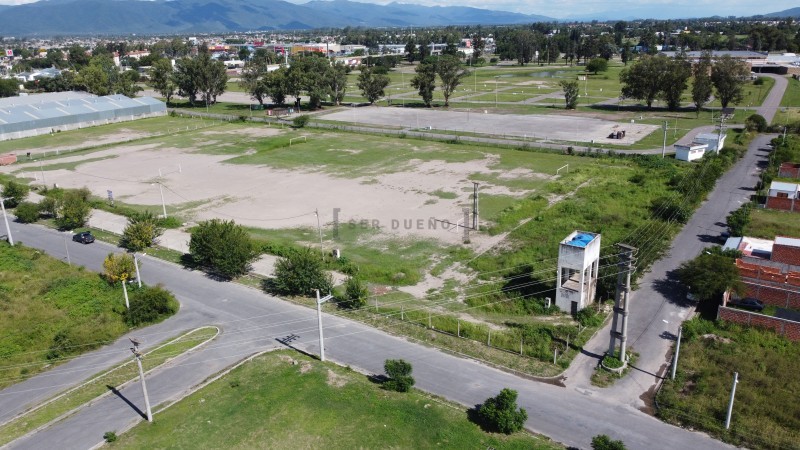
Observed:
{"x":676,"y":80}
{"x":756,"y":122}
{"x":77,"y":57}
{"x":702,"y":88}
{"x":94,"y":80}
{"x":222,"y":247}
{"x":728,"y":76}
{"x":501,"y":414}
{"x":161,"y":79}
{"x":372,"y":85}
{"x":399,"y":373}
{"x":710,"y":274}
{"x":411,"y":50}
{"x":312,"y":73}
{"x":338,"y":82}
{"x":603,"y":442}
{"x":571,"y":90}
{"x":644,"y":80}
{"x":74,"y":211}
{"x":355,"y":293}
{"x":142,"y":231}
{"x":186,"y":78}
{"x":14,"y":193}
{"x":27,"y":212}
{"x":119,"y":267}
{"x":739,"y":219}
{"x":275,"y":82}
{"x":626,"y":54}
{"x":9,"y":87}
{"x":300,"y":273}
{"x":252,"y":79}
{"x":450,"y":73}
{"x":597,"y":65}
{"x":478,"y":45}
{"x":425,"y":81}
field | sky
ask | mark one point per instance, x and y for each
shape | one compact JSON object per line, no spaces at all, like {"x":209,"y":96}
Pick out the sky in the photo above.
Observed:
{"x":582,"y":8}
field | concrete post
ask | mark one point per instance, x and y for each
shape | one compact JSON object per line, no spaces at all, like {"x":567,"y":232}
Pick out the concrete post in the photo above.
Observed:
{"x":5,"y":219}
{"x":677,"y":352}
{"x":125,"y":292}
{"x":730,"y":403}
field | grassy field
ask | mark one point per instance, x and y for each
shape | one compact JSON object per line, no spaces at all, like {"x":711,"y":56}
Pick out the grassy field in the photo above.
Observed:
{"x":765,"y":413}
{"x":768,"y":223}
{"x":51,"y":311}
{"x":272,"y":403}
{"x":99,"y":383}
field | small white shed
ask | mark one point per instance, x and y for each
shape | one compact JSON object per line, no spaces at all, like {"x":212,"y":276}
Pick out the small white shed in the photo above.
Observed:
{"x":715,"y":142}
{"x":784,"y":190}
{"x":691,"y":152}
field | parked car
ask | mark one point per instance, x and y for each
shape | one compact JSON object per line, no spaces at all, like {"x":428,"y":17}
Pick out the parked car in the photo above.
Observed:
{"x":748,"y":303}
{"x":84,"y":237}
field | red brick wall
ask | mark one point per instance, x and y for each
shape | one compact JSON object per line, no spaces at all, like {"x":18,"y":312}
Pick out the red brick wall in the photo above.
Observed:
{"x":789,"y":170}
{"x":786,"y":254}
{"x":780,"y":297}
{"x":784,"y":204}
{"x":783,"y":327}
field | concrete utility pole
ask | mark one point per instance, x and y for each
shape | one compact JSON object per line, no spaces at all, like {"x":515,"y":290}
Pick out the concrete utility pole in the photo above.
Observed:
{"x":66,"y":247}
{"x":138,"y":357}
{"x":730,"y":403}
{"x":319,"y":231}
{"x":136,"y":264}
{"x":664,"y":145}
{"x":677,"y":352}
{"x":475,"y":206}
{"x":125,"y":290}
{"x":466,"y":225}
{"x":320,"y":301}
{"x":621,"y":301}
{"x":5,"y":219}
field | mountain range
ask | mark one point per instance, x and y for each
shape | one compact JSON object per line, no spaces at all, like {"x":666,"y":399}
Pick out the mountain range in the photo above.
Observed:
{"x":121,"y":17}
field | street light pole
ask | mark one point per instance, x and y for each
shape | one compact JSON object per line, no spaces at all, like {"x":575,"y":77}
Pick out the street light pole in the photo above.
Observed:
{"x":664,"y":146}
{"x":319,"y":231}
{"x":125,"y":291}
{"x":320,"y":301}
{"x":138,"y":357}
{"x":677,"y":352}
{"x":5,"y":219}
{"x":136,"y":264}
{"x":730,"y":403}
{"x":163,"y":205}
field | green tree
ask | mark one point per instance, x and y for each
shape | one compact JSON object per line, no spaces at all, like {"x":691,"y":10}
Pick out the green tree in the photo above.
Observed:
{"x":275,"y":82}
{"x":313,"y":74}
{"x":161,"y":79}
{"x":9,"y":87}
{"x":49,"y":206}
{"x":186,"y":78}
{"x":571,"y":90}
{"x":644,"y":79}
{"x":702,"y":88}
{"x":425,"y":81}
{"x":27,"y":212}
{"x":728,"y":76}
{"x":411,"y":50}
{"x":399,"y":373}
{"x":501,"y":414}
{"x":676,"y":80}
{"x":142,"y":231}
{"x":626,"y":54}
{"x":77,"y":57}
{"x":372,"y":84}
{"x":710,"y":274}
{"x":150,"y":304}
{"x":355,"y":292}
{"x":597,"y":65}
{"x":451,"y":72}
{"x":222,"y":248}
{"x":739,"y":219}
{"x":14,"y":193}
{"x":338,"y":82}
{"x":119,"y":267}
{"x":94,"y":80}
{"x":603,"y":442}
{"x":252,"y":79}
{"x":756,"y":122}
{"x":73,"y":212}
{"x":300,"y":273}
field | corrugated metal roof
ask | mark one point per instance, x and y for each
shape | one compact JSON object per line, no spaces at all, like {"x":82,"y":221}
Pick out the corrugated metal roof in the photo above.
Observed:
{"x":783,"y":186}
{"x":42,"y":98}
{"x":783,"y":240}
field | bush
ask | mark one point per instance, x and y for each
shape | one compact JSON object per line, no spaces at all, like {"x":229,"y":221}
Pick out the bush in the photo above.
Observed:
{"x":27,"y":212}
{"x":149,"y":305}
{"x":142,"y":231}
{"x":758,"y":81}
{"x":589,"y":317}
{"x":301,"y":121}
{"x":222,"y":247}
{"x":501,"y":414}
{"x":110,"y":436}
{"x":300,"y":273}
{"x":739,"y":220}
{"x":14,"y":193}
{"x":74,"y":211}
{"x":355,"y":293}
{"x":49,"y":206}
{"x":756,"y":122}
{"x":603,"y":442}
{"x":399,"y":373}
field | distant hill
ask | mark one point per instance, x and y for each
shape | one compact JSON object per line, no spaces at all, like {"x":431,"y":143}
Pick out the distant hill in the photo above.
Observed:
{"x":793,"y":12}
{"x":117,"y":17}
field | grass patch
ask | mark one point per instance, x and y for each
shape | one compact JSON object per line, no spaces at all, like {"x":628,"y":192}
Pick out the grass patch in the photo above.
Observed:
{"x":274,"y":403}
{"x":765,"y":413}
{"x":768,"y":223}
{"x":74,"y":164}
{"x":445,"y":194}
{"x":603,"y":377}
{"x":99,"y":384}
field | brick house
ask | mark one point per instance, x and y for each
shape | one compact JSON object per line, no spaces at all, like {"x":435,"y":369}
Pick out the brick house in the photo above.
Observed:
{"x":783,"y":196}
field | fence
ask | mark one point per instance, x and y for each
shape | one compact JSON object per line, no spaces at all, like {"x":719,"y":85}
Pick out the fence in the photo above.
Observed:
{"x":783,"y":327}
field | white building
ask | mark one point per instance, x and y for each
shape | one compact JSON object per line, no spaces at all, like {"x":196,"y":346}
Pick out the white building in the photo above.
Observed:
{"x":691,"y":152}
{"x":578,"y":264}
{"x":781,"y":189}
{"x":715,"y":142}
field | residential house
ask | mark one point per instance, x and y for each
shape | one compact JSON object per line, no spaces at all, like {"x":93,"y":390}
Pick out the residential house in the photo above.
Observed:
{"x":783,"y":196}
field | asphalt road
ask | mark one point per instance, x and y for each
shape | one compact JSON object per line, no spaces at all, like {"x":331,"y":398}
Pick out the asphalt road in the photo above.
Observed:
{"x":253,"y":321}
{"x":773,"y":100}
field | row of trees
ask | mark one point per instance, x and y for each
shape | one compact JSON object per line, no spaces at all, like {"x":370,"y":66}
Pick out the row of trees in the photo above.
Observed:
{"x":450,"y":71}
{"x":200,"y":77}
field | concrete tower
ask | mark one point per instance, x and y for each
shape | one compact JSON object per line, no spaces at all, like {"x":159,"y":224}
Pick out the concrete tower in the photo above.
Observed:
{"x":578,"y":264}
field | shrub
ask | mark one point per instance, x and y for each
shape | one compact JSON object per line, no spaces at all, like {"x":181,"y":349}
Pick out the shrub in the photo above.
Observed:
{"x":301,"y":121}
{"x":756,"y":122}
{"x":150,"y":304}
{"x":501,"y":414}
{"x":14,"y":193}
{"x":758,"y":81}
{"x":49,"y":206}
{"x":27,"y":212}
{"x":142,"y":231}
{"x":355,"y":292}
{"x":739,"y":219}
{"x":222,"y":247}
{"x":110,"y":436}
{"x":603,"y":442}
{"x":74,"y":211}
{"x":399,"y":373}
{"x":589,"y":317}
{"x":300,"y":272}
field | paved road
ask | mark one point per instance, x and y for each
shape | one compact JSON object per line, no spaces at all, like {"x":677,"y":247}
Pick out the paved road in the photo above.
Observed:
{"x":658,"y":306}
{"x":773,"y":100}
{"x":252,"y":321}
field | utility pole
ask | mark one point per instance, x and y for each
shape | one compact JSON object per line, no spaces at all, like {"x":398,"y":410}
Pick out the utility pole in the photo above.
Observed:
{"x":621,"y":302}
{"x":41,"y":169}
{"x":320,"y":301}
{"x":319,"y":231}
{"x":66,"y":247}
{"x":730,"y":403}
{"x":136,"y":264}
{"x":475,"y":206}
{"x":5,"y":219}
{"x":664,"y":146}
{"x":138,"y":357}
{"x":124,"y":279}
{"x":163,"y":205}
{"x":677,"y":352}
{"x":466,"y":225}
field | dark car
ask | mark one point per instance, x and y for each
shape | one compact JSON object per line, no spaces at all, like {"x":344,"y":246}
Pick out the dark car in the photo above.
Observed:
{"x":84,"y":237}
{"x":748,"y":303}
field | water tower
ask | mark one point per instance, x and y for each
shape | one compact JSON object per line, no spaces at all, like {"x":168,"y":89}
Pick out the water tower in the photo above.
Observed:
{"x":578,"y":264}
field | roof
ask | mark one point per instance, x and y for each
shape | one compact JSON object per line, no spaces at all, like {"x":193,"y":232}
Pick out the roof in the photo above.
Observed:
{"x":718,"y":53}
{"x":788,"y":241}
{"x":732,"y":243}
{"x":692,"y":146}
{"x":783,"y":186}
{"x":710,"y":136}
{"x":42,"y":98}
{"x":579,"y":239}
{"x":749,"y":246}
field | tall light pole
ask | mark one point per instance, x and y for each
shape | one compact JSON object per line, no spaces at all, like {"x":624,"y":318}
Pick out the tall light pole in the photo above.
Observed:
{"x":664,"y":146}
{"x":138,"y":357}
{"x":163,"y":205}
{"x":124,"y":279}
{"x":319,"y":231}
{"x":136,"y":264}
{"x":320,"y":301}
{"x":5,"y":219}
{"x":677,"y":352}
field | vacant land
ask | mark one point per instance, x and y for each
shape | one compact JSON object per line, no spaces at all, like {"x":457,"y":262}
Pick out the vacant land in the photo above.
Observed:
{"x":50,"y":311}
{"x":768,"y":223}
{"x":766,"y":414}
{"x":287,"y":400}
